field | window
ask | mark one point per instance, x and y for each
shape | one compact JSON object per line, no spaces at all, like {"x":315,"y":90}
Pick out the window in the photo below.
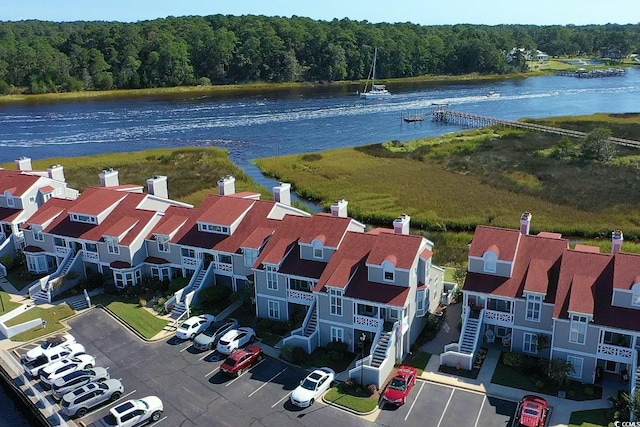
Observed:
{"x":250,"y":257}
{"x":163,"y":243}
{"x":112,"y":245}
{"x":337,"y":334}
{"x":635,"y":299}
{"x":534,"y":305}
{"x":576,"y":363}
{"x":160,"y":273}
{"x":317,"y":249}
{"x":91,"y":247}
{"x":388,"y":271}
{"x":530,"y":343}
{"x":224,"y":259}
{"x":37,"y":235}
{"x":274,"y":309}
{"x":59,"y":242}
{"x":393,"y":314}
{"x":32,"y":200}
{"x":272,"y":278}
{"x":10,"y":202}
{"x":300,"y":285}
{"x":422,"y":302}
{"x":188,"y":253}
{"x":490,"y":262}
{"x":578,"y":330}
{"x":335,"y":297}
{"x":129,"y":278}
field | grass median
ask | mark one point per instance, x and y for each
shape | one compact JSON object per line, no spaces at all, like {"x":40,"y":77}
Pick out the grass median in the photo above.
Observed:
{"x":130,"y":312}
{"x":7,"y":305}
{"x":52,"y":316}
{"x":340,"y":395}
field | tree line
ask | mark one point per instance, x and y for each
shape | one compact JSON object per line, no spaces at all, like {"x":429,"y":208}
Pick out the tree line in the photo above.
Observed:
{"x":42,"y":56}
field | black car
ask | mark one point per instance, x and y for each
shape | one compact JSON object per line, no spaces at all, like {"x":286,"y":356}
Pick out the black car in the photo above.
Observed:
{"x":208,"y":339}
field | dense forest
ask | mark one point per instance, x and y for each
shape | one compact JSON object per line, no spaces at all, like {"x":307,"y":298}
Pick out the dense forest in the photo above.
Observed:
{"x":40,"y":57}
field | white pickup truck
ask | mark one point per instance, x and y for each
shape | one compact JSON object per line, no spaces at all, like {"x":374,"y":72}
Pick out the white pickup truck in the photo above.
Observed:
{"x":50,"y":356}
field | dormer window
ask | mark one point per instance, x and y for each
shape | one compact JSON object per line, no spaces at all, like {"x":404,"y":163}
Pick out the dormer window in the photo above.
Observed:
{"x":388,"y":271}
{"x":112,"y":245}
{"x":212,"y":228}
{"x":250,"y":256}
{"x":163,"y":243}
{"x":490,"y":261}
{"x":10,"y":202}
{"x":317,"y":249}
{"x":84,"y":218}
{"x":635,"y":298}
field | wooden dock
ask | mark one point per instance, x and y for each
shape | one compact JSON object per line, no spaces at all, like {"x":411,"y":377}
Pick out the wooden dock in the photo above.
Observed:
{"x":445,"y":115}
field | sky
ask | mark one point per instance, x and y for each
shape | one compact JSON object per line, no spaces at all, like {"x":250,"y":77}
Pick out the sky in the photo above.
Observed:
{"x":424,"y":12}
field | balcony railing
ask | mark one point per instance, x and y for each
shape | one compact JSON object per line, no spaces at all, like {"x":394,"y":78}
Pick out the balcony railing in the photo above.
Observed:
{"x":300,"y":297}
{"x":188,"y":261}
{"x":615,"y":353}
{"x":224,"y":267}
{"x":90,"y":256}
{"x":366,"y":322}
{"x":498,"y":317}
{"x":61,"y":250}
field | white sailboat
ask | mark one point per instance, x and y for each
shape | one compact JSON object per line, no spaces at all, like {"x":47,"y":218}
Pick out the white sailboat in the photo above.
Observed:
{"x":376,"y":91}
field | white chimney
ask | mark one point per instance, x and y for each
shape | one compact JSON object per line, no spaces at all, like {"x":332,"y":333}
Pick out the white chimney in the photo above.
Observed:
{"x":56,"y":172}
{"x":282,"y":193}
{"x":227,"y":185}
{"x":158,"y":186}
{"x":401,"y":225}
{"x":109,"y":178}
{"x":525,"y":223}
{"x":23,"y":164}
{"x":339,"y":208}
{"x":616,"y":241}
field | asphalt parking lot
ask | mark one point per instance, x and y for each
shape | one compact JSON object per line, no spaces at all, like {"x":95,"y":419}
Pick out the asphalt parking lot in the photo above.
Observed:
{"x":196,"y":393}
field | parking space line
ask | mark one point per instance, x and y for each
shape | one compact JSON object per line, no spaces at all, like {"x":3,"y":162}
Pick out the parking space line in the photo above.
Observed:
{"x":238,"y":377}
{"x":484,"y":399}
{"x":212,"y":372}
{"x":159,"y":421}
{"x":186,"y":348}
{"x":278,"y":402}
{"x":444,"y":411}
{"x":97,"y":408}
{"x":414,"y":401}
{"x":271,"y":379}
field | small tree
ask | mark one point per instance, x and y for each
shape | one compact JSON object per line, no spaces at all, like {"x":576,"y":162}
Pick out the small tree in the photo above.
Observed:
{"x":557,"y":370}
{"x":459,"y":276}
{"x":597,"y":146}
{"x":633,"y":402}
{"x":543,"y":342}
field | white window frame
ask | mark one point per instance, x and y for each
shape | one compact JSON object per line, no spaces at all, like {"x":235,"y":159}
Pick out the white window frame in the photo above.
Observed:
{"x":10,"y":202}
{"x":335,"y":302}
{"x":38,"y":235}
{"x":490,"y":262}
{"x":273,"y":309}
{"x":250,"y":256}
{"x":533,"y":308}
{"x":187,"y":253}
{"x":337,"y":334}
{"x":575,"y":363}
{"x":272,"y":278}
{"x":529,"y":343}
{"x":388,"y":269}
{"x":317,"y":249}
{"x":163,"y":243}
{"x":578,"y":329}
{"x":112,"y":245}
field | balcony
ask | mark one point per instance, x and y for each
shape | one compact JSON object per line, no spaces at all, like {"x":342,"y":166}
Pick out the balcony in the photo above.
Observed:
{"x":615,"y":353}
{"x":61,"y":251}
{"x":367,"y":323}
{"x":221,"y":266}
{"x":190,"y":262}
{"x":501,"y":318}
{"x":90,"y":256}
{"x":299,"y":297}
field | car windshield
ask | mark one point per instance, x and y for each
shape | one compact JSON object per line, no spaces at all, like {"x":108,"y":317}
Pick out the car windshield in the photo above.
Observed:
{"x":308,"y":384}
{"x":124,"y":407}
{"x":529,"y":411}
{"x":229,"y":362}
{"x":398,"y":384}
{"x":223,"y":342}
{"x":184,"y":326}
{"x":213,"y":329}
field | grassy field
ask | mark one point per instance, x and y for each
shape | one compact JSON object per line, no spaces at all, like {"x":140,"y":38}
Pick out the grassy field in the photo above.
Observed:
{"x":592,"y":418}
{"x":419,"y":360}
{"x":192,"y":173}
{"x":7,"y":305}
{"x":340,"y":396}
{"x":132,"y":314}
{"x":488,"y":176}
{"x":52,"y":316}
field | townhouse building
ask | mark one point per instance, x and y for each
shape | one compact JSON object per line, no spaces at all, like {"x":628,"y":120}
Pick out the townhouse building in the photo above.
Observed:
{"x":22,"y":192}
{"x":536,"y":295}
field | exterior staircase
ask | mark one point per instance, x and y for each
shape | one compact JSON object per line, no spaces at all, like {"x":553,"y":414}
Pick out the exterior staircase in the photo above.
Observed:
{"x":180,"y":307}
{"x":313,"y":322}
{"x":468,"y":342}
{"x":41,"y":297}
{"x":178,"y":310}
{"x":78,"y":303}
{"x":380,"y":352}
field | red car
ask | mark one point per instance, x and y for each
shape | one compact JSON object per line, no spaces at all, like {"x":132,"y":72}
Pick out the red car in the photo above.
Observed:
{"x":401,"y":385}
{"x":532,"y":411}
{"x":241,"y":359}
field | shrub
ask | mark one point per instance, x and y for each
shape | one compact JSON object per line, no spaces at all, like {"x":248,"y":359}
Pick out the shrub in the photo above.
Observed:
{"x":7,"y":261}
{"x":162,"y":300}
{"x":334,"y":355}
{"x":311,"y":157}
{"x":372,"y":389}
{"x":513,"y":360}
{"x":299,"y":355}
{"x":539,"y":385}
{"x":142,"y":302}
{"x":286,"y":352}
{"x":350,"y":383}
{"x":571,"y":394}
{"x":338,"y":346}
{"x":589,"y":391}
{"x":215,"y":295}
{"x":176,"y":284}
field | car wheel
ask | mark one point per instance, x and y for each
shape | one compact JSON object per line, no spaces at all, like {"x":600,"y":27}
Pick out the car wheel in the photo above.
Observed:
{"x":115,"y":396}
{"x":311,"y":402}
{"x":193,"y":336}
{"x":156,"y":416}
{"x":81,"y":412}
{"x":88,"y":366}
{"x":260,"y":357}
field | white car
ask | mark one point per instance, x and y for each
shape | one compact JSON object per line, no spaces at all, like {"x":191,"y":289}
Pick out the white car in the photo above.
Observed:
{"x":135,"y":411}
{"x":59,"y":369}
{"x":50,"y":343}
{"x":235,"y":339}
{"x":193,"y":326}
{"x":50,"y":356}
{"x":312,"y":387}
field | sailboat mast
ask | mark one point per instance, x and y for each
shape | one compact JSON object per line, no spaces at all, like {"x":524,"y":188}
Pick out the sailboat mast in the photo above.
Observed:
{"x":373,"y":72}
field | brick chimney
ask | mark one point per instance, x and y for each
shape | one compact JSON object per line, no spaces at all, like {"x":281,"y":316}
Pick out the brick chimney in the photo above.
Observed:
{"x":401,"y":225}
{"x":56,"y":172}
{"x":23,"y":164}
{"x":227,"y":185}
{"x":282,"y":193}
{"x":339,"y":208}
{"x":157,"y":186}
{"x":525,"y":223}
{"x":616,"y":241}
{"x":109,"y":178}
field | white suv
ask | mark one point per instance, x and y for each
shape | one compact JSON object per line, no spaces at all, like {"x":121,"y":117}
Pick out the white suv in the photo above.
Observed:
{"x":135,"y":411}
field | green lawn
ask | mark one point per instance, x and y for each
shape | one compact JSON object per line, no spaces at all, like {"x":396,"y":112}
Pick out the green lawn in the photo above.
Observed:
{"x":132,"y":314}
{"x":340,"y":396}
{"x":448,"y":274}
{"x":52,"y":316}
{"x":419,"y":360}
{"x":592,"y":418}
{"x":7,"y":305}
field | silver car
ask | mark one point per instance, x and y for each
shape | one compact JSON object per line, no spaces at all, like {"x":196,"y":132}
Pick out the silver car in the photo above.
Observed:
{"x":78,"y":402}
{"x":77,"y":379}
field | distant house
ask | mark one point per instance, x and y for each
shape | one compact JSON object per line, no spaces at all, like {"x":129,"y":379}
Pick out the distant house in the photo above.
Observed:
{"x":536,"y":55}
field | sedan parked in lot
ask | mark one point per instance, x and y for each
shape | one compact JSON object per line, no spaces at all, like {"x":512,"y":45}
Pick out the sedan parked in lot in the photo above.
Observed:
{"x":235,"y":339}
{"x":193,"y":326}
{"x":76,"y":379}
{"x":50,"y":342}
{"x":78,"y":402}
{"x":400,"y":385}
{"x":59,"y":369}
{"x":241,"y":359}
{"x":50,"y":356}
{"x":312,"y":387}
{"x":532,"y":411}
{"x":135,"y":411}
{"x":208,"y":339}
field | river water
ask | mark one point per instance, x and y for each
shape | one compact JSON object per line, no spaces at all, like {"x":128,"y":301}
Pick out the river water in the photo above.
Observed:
{"x":270,"y":123}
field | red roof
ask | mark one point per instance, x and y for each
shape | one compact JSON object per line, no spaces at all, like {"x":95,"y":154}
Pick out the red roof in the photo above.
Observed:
{"x":16,"y":182}
{"x":399,"y":249}
{"x":327,"y":228}
{"x":47,"y":189}
{"x":155,"y":260}
{"x":283,"y":239}
{"x":172,"y":222}
{"x":504,"y":240}
{"x":225,"y":210}
{"x":626,"y":270}
{"x":95,"y":200}
{"x":8,"y":214}
{"x":121,"y":226}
